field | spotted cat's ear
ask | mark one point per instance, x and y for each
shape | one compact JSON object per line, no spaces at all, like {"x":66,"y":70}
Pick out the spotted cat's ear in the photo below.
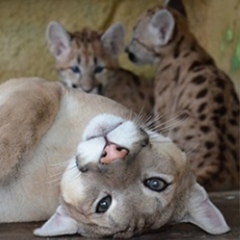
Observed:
{"x":162,"y":26}
{"x":59,"y":224}
{"x":201,"y":212}
{"x":58,"y":38}
{"x":113,"y":39}
{"x":177,"y":5}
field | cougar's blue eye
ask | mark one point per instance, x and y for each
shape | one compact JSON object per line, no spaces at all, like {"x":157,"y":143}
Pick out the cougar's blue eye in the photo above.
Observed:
{"x":98,"y":69}
{"x":75,"y":69}
{"x":156,"y":184}
{"x":104,"y":204}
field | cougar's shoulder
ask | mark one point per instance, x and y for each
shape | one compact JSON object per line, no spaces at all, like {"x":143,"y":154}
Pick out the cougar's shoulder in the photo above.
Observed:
{"x":28,"y":108}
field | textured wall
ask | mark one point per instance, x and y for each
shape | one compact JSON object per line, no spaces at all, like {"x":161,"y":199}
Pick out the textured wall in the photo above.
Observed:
{"x":23,"y":49}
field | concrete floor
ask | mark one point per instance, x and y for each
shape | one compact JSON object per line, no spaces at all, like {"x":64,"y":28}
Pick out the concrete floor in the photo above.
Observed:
{"x":227,"y":202}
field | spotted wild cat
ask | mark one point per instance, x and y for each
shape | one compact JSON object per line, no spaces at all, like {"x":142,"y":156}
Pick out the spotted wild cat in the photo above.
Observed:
{"x":188,"y":85}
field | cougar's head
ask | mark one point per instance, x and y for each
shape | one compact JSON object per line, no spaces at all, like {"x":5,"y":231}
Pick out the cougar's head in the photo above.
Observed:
{"x":124,"y":180}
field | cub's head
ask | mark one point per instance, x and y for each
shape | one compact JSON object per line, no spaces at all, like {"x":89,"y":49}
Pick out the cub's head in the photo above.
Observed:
{"x":157,"y":33}
{"x":85,"y":59}
{"x":124,"y":180}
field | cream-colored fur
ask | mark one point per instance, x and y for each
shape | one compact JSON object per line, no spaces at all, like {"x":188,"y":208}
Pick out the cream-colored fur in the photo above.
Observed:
{"x":61,"y":168}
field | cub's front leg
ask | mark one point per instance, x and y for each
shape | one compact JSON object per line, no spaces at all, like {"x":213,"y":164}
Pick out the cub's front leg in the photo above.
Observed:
{"x":27,"y":110}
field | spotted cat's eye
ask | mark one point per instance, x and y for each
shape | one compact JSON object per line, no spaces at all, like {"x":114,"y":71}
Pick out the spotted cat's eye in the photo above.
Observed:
{"x":75,"y":69}
{"x":156,"y":184}
{"x":104,"y":204}
{"x":98,"y":69}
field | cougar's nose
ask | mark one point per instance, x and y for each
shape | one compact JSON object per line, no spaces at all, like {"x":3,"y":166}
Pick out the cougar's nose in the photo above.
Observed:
{"x":113,"y":152}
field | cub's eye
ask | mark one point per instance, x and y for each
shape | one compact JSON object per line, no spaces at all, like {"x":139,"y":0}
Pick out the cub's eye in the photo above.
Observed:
{"x":156,"y":184}
{"x":104,"y":204}
{"x":98,"y":69}
{"x":75,"y":69}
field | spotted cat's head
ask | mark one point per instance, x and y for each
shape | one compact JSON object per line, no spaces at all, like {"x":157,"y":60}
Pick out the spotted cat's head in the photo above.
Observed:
{"x":125,"y":180}
{"x":85,"y":58}
{"x":157,"y":33}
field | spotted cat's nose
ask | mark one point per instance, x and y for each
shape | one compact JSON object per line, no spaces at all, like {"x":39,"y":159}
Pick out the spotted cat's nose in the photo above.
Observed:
{"x":74,"y":85}
{"x":132,"y":57}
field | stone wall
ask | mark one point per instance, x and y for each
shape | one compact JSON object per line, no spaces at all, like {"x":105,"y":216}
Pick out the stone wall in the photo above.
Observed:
{"x":23,"y":48}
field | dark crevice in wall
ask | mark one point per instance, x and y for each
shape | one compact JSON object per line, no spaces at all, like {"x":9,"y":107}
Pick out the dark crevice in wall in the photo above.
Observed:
{"x":109,"y":19}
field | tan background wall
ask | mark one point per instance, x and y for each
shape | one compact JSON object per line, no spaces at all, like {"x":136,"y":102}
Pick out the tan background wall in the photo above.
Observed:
{"x":23,"y":49}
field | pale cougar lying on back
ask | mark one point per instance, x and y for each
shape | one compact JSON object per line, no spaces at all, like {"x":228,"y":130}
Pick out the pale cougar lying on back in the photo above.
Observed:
{"x":117,"y":178}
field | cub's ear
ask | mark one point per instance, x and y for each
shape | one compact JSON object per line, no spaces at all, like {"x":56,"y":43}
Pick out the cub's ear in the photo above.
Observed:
{"x":58,"y":38}
{"x":177,"y":5}
{"x":113,"y":39}
{"x":204,"y":214}
{"x":59,"y":224}
{"x":162,"y":26}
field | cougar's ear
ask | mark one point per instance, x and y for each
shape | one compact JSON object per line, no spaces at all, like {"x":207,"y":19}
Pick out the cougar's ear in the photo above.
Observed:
{"x":201,"y":212}
{"x":177,"y":5}
{"x":162,"y":26}
{"x":113,"y":39}
{"x":59,"y":224}
{"x":58,"y":38}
